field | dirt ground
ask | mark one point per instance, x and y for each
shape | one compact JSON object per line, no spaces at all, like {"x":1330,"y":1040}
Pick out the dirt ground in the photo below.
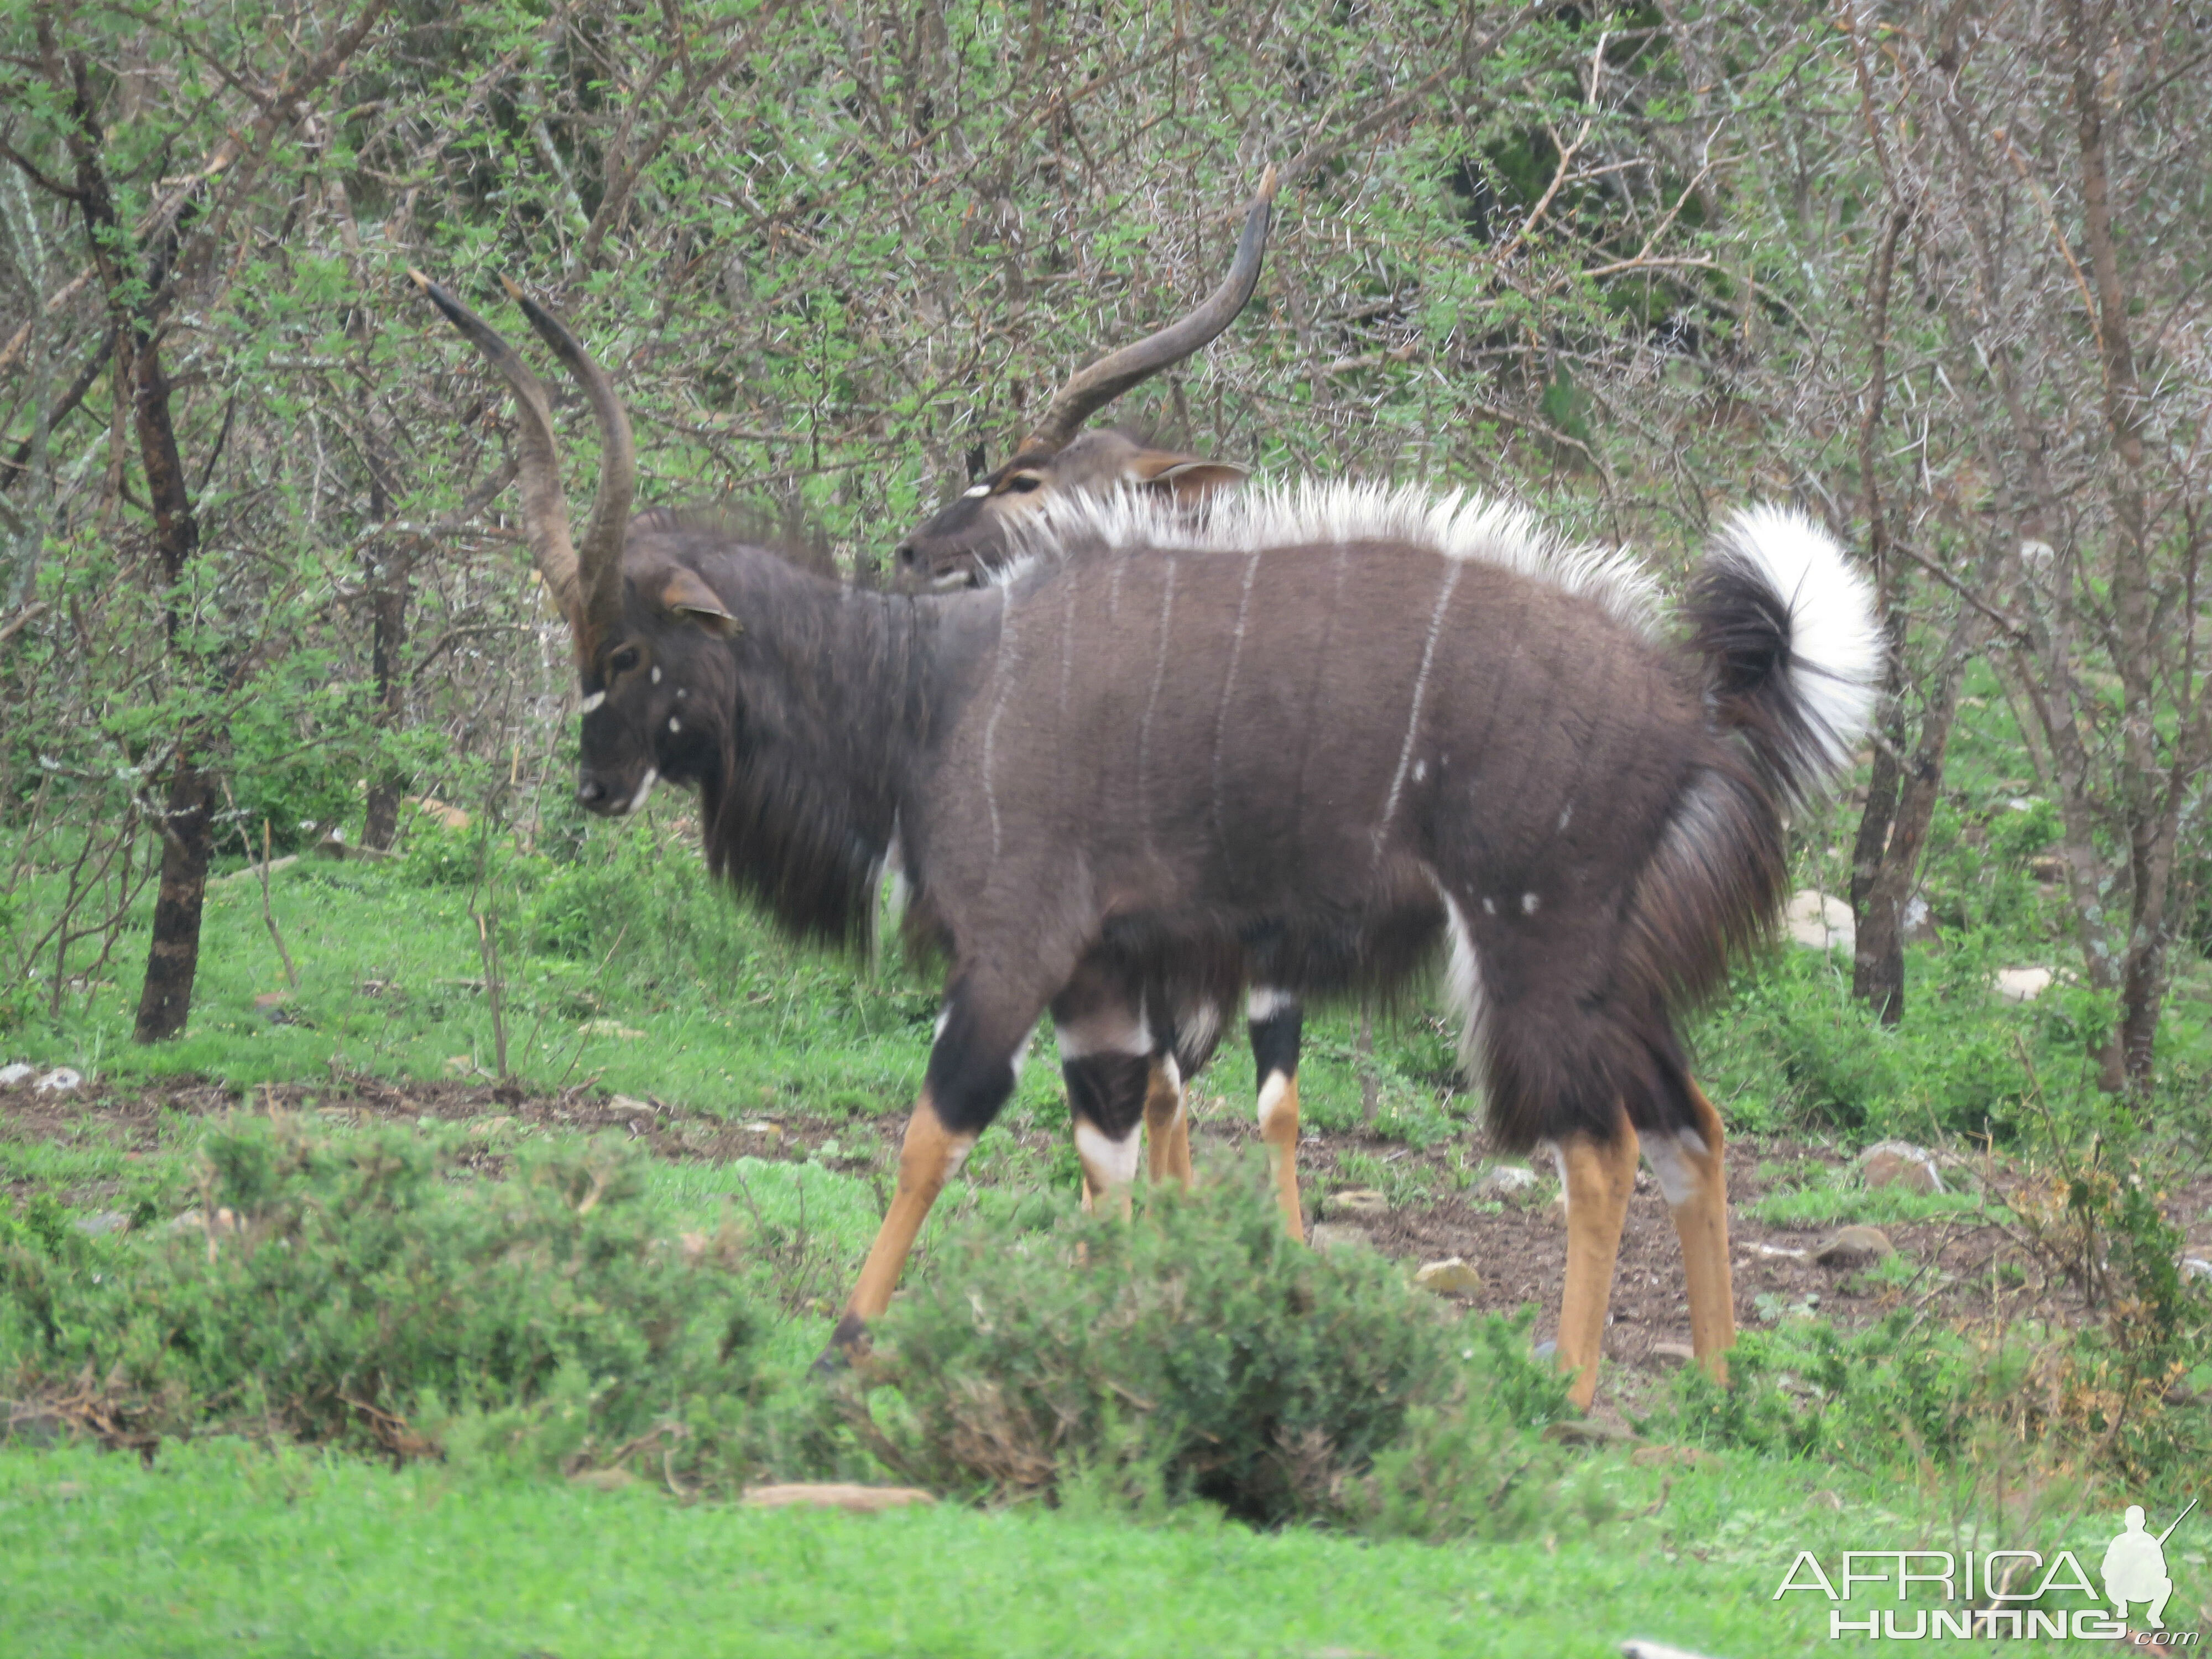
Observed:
{"x":1969,"y":1267}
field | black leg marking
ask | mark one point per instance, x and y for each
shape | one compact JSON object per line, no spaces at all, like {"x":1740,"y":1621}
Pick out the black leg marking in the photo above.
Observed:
{"x":1275,"y":1042}
{"x":1107,"y":1091}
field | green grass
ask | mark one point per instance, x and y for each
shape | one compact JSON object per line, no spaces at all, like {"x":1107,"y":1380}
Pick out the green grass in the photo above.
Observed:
{"x":221,"y":1549}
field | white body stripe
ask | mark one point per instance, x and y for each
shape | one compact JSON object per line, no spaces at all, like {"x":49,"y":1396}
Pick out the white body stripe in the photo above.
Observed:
{"x":1420,"y":695}
{"x":645,"y":788}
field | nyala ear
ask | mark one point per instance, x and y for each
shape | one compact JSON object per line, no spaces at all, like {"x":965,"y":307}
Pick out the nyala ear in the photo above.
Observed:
{"x":1185,"y":478}
{"x":687,"y":596}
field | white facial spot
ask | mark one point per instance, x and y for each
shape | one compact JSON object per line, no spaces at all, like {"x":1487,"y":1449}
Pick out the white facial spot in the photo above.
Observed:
{"x":682,"y":693}
{"x":1489,"y":907}
{"x":644,"y":788}
{"x":975,"y":492}
{"x":1266,"y":1002}
{"x":591,"y":702}
{"x":656,"y":673}
{"x":1420,"y":770}
{"x":1109,"y":1164}
{"x":1565,"y":818}
{"x":675,"y":724}
{"x":1528,"y":904}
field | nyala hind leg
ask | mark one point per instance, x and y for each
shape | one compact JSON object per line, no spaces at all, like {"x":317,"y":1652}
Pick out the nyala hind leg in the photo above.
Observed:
{"x":1167,"y":1123}
{"x":1275,"y":1018}
{"x":1106,"y":1055}
{"x":1599,"y":1177}
{"x":1695,"y":1181}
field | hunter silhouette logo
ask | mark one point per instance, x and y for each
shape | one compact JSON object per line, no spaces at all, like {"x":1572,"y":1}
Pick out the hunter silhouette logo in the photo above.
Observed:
{"x":2134,"y":1567}
{"x":2007,"y":1594}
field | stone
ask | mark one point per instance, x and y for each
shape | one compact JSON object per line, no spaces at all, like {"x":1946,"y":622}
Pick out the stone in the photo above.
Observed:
{"x":18,"y":1072}
{"x":1780,"y":1252}
{"x":1894,"y":1164}
{"x":2049,"y":869}
{"x":1586,"y":1431}
{"x":1449,"y":1277}
{"x":1356,"y":1201}
{"x":2195,"y":1267}
{"x":101,"y":1222}
{"x":1336,"y":1235}
{"x":1672,"y":1355}
{"x":2023,"y":984}
{"x":60,"y":1081}
{"x":1854,"y":1246}
{"x":834,"y":1495}
{"x":1506,"y":1181}
{"x":1820,"y":921}
{"x":1636,"y":1647}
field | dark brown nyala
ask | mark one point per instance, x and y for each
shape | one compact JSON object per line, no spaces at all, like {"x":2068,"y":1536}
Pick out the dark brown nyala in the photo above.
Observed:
{"x":1310,"y":735}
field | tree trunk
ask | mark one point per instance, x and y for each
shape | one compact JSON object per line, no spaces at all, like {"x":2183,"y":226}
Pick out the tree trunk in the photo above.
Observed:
{"x":388,"y":643}
{"x":136,"y":284}
{"x":173,"y":961}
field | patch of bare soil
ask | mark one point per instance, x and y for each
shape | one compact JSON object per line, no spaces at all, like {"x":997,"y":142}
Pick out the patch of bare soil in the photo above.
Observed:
{"x":1967,"y":1267}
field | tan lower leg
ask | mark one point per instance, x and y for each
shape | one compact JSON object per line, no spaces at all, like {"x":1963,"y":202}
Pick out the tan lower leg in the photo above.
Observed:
{"x":1278,"y":1129}
{"x":926,"y":1160}
{"x":1110,"y":1168}
{"x":1167,"y":1126}
{"x":1701,"y":1220}
{"x":1600,"y":1176}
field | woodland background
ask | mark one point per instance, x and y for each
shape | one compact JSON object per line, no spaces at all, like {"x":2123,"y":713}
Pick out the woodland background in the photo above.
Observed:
{"x":1937,"y":272}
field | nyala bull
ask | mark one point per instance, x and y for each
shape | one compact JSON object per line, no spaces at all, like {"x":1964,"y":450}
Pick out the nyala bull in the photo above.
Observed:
{"x":1311,"y":736}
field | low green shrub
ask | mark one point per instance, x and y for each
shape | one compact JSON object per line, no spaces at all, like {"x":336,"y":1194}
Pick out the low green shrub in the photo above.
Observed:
{"x":369,"y":1292}
{"x":1197,"y":1353}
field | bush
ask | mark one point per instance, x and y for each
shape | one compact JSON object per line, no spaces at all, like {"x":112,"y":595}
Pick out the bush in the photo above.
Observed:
{"x":1197,"y":1353}
{"x":369,"y":1292}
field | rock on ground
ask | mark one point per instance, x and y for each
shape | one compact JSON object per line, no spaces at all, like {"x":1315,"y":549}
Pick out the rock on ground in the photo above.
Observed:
{"x":1854,"y":1246}
{"x":1449,"y":1277}
{"x":1900,"y":1164}
{"x":1356,"y":1201}
{"x":1820,"y":921}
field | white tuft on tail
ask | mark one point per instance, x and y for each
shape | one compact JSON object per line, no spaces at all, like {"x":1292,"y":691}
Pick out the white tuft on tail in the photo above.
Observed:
{"x":1835,"y":649}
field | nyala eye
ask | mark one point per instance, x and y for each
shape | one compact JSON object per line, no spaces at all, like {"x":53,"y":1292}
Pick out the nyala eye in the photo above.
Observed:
{"x":625,"y":660}
{"x":1021,"y":483}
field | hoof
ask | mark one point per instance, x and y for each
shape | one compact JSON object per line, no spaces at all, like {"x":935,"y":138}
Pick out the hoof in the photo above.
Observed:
{"x":847,"y":1342}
